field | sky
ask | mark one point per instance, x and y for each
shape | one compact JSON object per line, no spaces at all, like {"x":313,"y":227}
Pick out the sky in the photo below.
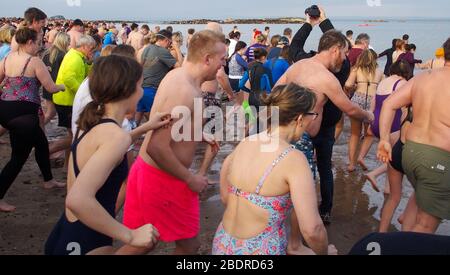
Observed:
{"x":150,"y":10}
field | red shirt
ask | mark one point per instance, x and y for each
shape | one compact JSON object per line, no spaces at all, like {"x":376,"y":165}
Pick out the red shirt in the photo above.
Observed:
{"x":354,"y":54}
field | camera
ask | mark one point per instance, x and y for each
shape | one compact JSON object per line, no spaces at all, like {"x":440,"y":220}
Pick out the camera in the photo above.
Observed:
{"x":313,"y":11}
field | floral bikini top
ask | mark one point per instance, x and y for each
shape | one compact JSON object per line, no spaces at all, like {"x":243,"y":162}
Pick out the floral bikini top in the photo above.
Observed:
{"x":20,"y":88}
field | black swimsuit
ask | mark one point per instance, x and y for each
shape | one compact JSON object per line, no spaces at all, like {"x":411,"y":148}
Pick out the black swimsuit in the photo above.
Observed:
{"x":75,"y":238}
{"x":397,"y":150}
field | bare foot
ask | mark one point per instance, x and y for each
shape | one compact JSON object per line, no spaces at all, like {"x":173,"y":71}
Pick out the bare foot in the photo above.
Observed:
{"x":373,"y":182}
{"x":300,"y":250}
{"x":351,"y":168}
{"x":58,"y":155}
{"x":54,"y":184}
{"x":362,"y":164}
{"x":6,"y":207}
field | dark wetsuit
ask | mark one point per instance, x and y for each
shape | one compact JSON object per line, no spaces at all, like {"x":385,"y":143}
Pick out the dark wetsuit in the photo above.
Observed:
{"x":324,"y":141}
{"x":388,"y":53}
{"x":75,"y":238}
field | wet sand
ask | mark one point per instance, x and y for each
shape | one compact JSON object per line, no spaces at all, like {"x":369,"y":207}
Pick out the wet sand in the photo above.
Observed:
{"x":355,"y":212}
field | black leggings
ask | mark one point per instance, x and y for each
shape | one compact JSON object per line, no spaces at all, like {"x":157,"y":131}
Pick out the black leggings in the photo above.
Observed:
{"x":22,"y":120}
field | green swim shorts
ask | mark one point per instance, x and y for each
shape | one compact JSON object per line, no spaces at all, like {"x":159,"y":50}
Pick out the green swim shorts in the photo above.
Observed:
{"x":428,"y":169}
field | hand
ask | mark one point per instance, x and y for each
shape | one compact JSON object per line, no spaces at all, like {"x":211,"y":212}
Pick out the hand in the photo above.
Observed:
{"x":146,"y":236}
{"x":230,"y":96}
{"x":323,"y":16}
{"x":312,"y":21}
{"x":384,"y":153}
{"x":61,"y":88}
{"x":159,"y":120}
{"x":370,"y":117}
{"x":175,"y":44}
{"x":332,"y":250}
{"x":197,"y":183}
{"x":211,"y":140}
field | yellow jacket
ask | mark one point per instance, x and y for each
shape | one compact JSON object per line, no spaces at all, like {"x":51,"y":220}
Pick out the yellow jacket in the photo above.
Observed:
{"x":72,"y":72}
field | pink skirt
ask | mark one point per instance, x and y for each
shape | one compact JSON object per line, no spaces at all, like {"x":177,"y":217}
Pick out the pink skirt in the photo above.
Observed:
{"x":155,"y":197}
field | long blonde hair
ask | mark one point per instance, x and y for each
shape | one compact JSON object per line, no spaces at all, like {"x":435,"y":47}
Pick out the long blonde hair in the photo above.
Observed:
{"x":60,"y":44}
{"x":367,"y":62}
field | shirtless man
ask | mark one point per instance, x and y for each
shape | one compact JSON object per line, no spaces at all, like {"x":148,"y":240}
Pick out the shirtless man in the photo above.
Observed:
{"x":76,"y":32}
{"x":160,"y":186}
{"x":34,"y":19}
{"x":135,"y":38}
{"x":426,"y":154}
{"x":316,"y":73}
{"x":209,"y":90}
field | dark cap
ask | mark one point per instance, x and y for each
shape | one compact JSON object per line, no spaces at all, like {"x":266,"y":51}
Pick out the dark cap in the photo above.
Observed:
{"x":78,"y":22}
{"x":283,"y":41}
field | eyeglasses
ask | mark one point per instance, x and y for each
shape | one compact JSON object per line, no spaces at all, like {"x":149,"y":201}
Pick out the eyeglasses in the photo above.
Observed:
{"x":314,"y":114}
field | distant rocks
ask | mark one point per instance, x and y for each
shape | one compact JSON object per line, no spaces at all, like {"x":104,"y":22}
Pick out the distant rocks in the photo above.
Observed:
{"x":57,"y":17}
{"x":284,"y":20}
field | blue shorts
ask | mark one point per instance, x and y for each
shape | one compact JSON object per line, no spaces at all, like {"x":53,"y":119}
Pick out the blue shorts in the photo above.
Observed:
{"x":145,"y":104}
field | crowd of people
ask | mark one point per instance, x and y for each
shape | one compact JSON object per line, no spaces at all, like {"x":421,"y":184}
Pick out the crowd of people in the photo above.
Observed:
{"x":109,"y":87}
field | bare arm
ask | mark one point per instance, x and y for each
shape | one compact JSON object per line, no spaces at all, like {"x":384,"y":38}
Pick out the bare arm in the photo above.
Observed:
{"x":224,"y":82}
{"x":303,"y":194}
{"x":334,"y":91}
{"x":224,"y":183}
{"x":81,"y":197}
{"x":156,"y":121}
{"x":178,"y":56}
{"x":350,"y":85}
{"x":45,"y":78}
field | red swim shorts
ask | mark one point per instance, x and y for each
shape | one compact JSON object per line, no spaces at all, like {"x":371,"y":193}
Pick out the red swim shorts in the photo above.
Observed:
{"x":157,"y":198}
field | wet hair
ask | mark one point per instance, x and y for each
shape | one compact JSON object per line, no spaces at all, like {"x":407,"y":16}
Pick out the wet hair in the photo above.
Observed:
{"x":124,"y":50}
{"x":260,"y":53}
{"x":400,"y":44}
{"x":34,"y":14}
{"x":169,"y":28}
{"x":405,"y":37}
{"x":412,"y":47}
{"x":446,"y":47}
{"x":113,"y":78}
{"x":349,"y":32}
{"x":124,"y":25}
{"x":287,"y":32}
{"x":267,"y":28}
{"x":361,"y":38}
{"x":134,"y":26}
{"x":191,"y":31}
{"x":24,"y":35}
{"x":203,"y":43}
{"x":145,"y":27}
{"x":402,"y":69}
{"x":332,"y":38}
{"x":291,"y":100}
{"x":6,"y":34}
{"x":367,"y":62}
{"x":407,"y":47}
{"x":274,"y":40}
{"x":107,"y":50}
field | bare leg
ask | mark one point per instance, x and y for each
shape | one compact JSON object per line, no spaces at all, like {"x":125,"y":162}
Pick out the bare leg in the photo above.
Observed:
{"x":410,"y":216}
{"x":353,"y":144}
{"x":373,"y":175}
{"x":395,"y":183}
{"x":426,"y":223}
{"x":207,"y":161}
{"x":131,"y":250}
{"x":339,"y":128}
{"x":6,"y":207}
{"x":187,"y":247}
{"x":295,"y":244}
{"x":365,"y":148}
{"x":50,"y":111}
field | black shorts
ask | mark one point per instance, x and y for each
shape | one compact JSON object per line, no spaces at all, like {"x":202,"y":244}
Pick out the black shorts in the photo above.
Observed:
{"x":397,"y":152}
{"x":64,"y":116}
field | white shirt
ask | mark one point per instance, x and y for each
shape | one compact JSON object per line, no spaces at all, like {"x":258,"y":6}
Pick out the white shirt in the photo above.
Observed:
{"x":232,"y":47}
{"x":83,"y":98}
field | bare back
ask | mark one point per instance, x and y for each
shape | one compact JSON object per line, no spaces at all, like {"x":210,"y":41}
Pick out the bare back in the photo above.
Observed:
{"x":431,"y":123}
